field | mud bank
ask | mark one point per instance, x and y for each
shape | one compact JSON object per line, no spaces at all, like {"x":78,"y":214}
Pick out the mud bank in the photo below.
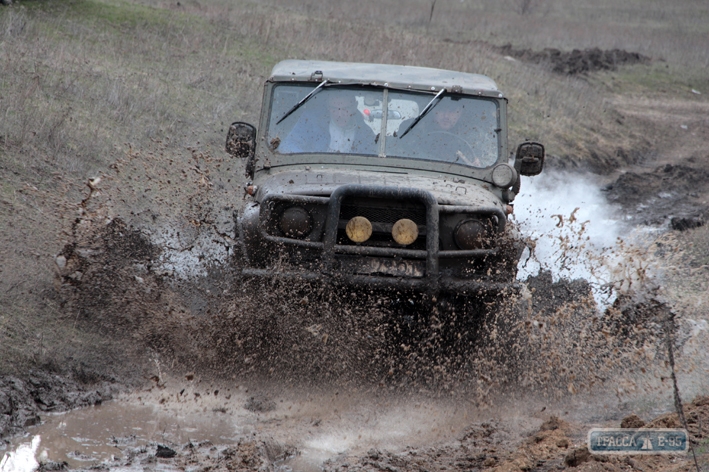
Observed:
{"x":577,"y":61}
{"x":670,"y":195}
{"x":574,"y":62}
{"x":556,"y":445}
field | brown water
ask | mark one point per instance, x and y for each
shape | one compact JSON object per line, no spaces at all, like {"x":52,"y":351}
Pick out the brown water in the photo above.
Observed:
{"x":319,"y":425}
{"x":91,"y":435}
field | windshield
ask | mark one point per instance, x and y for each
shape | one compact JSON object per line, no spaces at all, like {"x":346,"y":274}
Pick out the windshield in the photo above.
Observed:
{"x":340,"y":119}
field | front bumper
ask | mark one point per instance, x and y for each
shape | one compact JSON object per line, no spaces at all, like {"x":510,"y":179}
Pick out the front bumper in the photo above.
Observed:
{"x":441,"y":285}
{"x":334,"y":263}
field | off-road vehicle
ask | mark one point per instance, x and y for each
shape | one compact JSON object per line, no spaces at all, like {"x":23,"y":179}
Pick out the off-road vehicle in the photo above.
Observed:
{"x":381,"y":175}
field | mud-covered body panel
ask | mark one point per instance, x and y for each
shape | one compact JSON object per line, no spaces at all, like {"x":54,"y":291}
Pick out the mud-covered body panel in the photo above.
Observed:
{"x":447,"y":189}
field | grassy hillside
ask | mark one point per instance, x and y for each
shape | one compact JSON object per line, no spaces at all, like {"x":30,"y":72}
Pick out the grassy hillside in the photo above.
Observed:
{"x":144,"y":89}
{"x":84,"y":77}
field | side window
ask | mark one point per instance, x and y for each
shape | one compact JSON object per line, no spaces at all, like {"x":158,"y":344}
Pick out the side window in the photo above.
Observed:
{"x":370,"y":105}
{"x":400,"y":110}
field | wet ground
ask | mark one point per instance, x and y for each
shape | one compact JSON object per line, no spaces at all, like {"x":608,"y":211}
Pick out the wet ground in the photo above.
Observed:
{"x":299,"y":430}
{"x":171,"y":428}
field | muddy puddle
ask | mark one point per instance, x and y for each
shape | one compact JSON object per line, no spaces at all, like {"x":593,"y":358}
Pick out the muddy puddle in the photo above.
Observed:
{"x":186,"y":426}
{"x":307,"y":429}
{"x":92,"y":435}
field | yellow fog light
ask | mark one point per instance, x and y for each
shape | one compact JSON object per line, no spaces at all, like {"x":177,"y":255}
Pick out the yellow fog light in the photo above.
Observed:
{"x":359,"y":229}
{"x":405,"y":232}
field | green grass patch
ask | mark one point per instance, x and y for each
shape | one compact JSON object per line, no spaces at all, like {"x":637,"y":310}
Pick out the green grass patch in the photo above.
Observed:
{"x":114,"y":13}
{"x":650,"y":79}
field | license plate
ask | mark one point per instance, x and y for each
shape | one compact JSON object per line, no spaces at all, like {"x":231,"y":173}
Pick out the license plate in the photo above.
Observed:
{"x":373,"y":266}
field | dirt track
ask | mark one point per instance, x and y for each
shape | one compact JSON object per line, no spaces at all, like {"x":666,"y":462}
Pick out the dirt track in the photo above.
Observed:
{"x":502,"y":445}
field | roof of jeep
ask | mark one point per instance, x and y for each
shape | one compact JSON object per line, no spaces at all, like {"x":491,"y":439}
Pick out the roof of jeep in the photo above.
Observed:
{"x":418,"y":78}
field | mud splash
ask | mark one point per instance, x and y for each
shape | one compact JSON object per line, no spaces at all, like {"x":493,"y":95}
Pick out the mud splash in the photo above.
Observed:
{"x":574,"y":233}
{"x":310,"y":335}
{"x":189,"y":307}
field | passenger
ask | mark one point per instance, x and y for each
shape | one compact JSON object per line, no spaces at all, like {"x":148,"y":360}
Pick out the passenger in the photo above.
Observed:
{"x":447,"y":135}
{"x":340,"y":128}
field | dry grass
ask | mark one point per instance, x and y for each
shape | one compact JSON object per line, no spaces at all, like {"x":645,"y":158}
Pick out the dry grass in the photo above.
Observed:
{"x":84,"y":77}
{"x":674,"y":32}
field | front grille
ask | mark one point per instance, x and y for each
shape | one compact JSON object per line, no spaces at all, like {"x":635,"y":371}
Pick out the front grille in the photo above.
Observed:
{"x":383,"y":211}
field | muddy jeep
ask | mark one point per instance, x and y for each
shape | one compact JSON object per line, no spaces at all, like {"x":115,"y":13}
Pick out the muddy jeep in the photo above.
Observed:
{"x":381,"y":175}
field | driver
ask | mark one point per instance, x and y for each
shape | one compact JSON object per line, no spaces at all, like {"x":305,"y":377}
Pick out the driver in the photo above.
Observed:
{"x":445,"y":135}
{"x":446,"y":117}
{"x":339,"y":128}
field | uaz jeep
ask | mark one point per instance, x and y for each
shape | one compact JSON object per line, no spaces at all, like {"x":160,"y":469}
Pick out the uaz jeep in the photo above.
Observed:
{"x":381,"y":175}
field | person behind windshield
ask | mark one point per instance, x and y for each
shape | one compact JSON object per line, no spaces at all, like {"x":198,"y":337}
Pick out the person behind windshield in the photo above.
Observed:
{"x":445,"y":134}
{"x":338,"y":128}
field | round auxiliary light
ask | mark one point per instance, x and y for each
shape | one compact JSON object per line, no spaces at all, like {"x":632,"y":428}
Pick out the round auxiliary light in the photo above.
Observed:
{"x":503,"y":176}
{"x":470,"y":234}
{"x":296,"y":222}
{"x":405,"y":232}
{"x":359,"y":229}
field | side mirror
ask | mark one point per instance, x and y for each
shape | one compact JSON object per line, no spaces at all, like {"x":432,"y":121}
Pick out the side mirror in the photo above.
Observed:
{"x":529,"y":160}
{"x":241,"y":140}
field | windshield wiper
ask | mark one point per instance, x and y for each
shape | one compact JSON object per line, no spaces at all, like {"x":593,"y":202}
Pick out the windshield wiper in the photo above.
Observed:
{"x":425,"y":110}
{"x":302,"y":101}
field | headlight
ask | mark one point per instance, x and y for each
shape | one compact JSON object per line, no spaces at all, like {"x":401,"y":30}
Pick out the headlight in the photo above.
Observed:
{"x":470,"y":234}
{"x":503,"y":176}
{"x":296,"y":222}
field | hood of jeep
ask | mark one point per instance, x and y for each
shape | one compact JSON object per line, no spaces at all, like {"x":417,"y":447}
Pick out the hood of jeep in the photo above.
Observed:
{"x":447,"y":189}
